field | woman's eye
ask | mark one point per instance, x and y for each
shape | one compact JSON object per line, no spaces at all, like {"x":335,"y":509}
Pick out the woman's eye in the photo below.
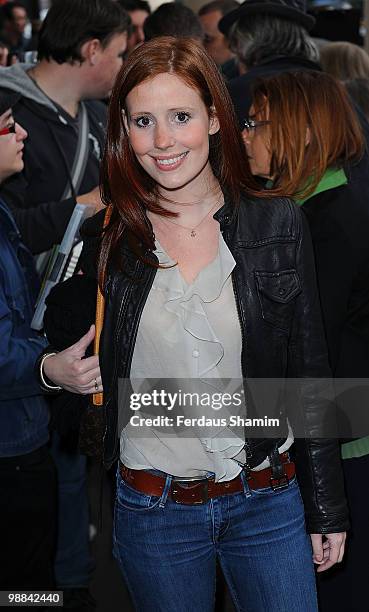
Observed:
{"x":143,"y":121}
{"x":182,"y":117}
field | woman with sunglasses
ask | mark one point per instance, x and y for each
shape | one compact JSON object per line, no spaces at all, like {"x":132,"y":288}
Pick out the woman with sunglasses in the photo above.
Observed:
{"x":205,"y":284}
{"x":27,"y":476}
{"x":303,"y":138}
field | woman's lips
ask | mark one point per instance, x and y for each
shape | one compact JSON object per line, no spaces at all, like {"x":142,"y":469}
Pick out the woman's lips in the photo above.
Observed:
{"x":166,"y":164}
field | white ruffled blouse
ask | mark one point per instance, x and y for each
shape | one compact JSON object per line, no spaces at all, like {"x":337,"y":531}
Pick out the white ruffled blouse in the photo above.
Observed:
{"x":187,"y":332}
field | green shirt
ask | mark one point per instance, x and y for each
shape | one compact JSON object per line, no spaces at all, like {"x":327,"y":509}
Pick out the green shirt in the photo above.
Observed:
{"x":332,"y":178}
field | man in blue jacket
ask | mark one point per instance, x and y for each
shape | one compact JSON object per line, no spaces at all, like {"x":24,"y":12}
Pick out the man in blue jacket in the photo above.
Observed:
{"x":27,"y":473}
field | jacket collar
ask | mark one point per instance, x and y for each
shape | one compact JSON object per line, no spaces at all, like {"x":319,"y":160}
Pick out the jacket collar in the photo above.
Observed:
{"x":225,"y":214}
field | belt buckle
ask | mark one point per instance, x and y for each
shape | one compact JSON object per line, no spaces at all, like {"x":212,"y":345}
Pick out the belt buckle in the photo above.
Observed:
{"x":204,"y":496}
{"x":279,"y":483}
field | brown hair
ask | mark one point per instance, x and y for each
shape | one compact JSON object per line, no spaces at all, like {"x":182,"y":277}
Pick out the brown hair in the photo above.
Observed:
{"x":344,"y":60}
{"x":306,"y":103}
{"x":359,"y":92}
{"x":125,"y":184}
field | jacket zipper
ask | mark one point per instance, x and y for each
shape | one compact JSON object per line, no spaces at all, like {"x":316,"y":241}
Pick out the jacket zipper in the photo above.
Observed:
{"x":246,"y":448}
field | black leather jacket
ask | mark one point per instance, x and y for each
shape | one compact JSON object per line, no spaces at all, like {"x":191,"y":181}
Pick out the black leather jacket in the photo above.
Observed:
{"x":278,"y":305}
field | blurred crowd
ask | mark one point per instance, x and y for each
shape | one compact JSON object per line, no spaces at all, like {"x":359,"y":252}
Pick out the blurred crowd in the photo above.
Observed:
{"x":56,"y":77}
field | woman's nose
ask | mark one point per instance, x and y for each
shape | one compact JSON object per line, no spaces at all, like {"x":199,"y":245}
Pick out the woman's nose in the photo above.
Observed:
{"x":20,"y":132}
{"x":163,"y":137}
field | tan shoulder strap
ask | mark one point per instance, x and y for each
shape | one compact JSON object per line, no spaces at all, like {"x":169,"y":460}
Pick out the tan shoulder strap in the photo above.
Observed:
{"x":98,"y":398}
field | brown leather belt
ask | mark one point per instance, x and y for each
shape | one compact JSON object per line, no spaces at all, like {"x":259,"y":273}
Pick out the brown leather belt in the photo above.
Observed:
{"x":195,"y":491}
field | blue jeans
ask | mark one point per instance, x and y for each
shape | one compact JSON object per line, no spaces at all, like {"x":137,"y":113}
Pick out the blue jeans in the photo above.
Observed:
{"x":167,"y":552}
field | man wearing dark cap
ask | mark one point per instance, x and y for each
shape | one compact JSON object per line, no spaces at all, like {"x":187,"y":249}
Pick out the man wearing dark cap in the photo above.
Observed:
{"x":268,"y":38}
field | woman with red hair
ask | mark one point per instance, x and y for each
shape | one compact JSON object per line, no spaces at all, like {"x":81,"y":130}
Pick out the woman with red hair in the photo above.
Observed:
{"x":204,"y":284}
{"x":305,"y":139}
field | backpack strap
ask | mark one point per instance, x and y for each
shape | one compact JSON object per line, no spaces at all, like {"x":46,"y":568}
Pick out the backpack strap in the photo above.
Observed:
{"x":81,"y":154}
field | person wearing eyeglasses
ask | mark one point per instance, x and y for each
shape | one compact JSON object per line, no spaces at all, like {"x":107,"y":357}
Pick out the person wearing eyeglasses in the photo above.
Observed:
{"x":28,"y":508}
{"x":304,"y":139}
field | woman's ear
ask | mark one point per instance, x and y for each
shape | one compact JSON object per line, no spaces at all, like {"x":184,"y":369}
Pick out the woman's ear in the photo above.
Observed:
{"x":214,"y":126}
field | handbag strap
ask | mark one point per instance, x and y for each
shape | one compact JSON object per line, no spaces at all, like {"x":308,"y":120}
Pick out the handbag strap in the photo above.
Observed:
{"x":81,"y":154}
{"x":98,"y":398}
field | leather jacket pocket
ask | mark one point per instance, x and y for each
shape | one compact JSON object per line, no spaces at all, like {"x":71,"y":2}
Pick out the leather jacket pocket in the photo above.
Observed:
{"x":276,"y":291}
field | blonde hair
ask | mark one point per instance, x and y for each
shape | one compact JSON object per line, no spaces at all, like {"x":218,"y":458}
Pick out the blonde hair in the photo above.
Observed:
{"x":345,"y":61}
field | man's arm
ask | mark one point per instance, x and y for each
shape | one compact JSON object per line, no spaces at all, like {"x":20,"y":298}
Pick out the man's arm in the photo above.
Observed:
{"x":43,"y":225}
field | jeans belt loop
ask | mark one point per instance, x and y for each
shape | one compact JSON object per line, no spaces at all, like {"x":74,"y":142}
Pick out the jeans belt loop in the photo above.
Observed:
{"x":246,"y":486}
{"x":164,"y":496}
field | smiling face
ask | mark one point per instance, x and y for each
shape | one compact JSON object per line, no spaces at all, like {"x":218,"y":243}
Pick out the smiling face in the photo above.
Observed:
{"x":11,"y":146}
{"x":258,"y":146}
{"x":169,"y":126}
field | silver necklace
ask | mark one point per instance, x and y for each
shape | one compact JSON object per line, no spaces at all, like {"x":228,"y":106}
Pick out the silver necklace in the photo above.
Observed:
{"x":192,"y":230}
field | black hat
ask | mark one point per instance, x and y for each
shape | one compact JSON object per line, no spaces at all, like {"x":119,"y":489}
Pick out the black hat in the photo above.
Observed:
{"x":8,"y":100}
{"x":294,"y":10}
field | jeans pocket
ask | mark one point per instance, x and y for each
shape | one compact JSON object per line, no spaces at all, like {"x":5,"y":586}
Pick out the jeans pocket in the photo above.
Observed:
{"x":131,"y":499}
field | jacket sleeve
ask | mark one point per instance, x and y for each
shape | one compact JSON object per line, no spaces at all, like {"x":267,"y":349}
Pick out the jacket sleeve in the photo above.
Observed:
{"x":317,"y":458}
{"x":339,"y":221}
{"x":17,"y":357}
{"x":41,"y":226}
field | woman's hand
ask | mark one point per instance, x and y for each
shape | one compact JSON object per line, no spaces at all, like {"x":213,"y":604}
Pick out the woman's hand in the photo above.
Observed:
{"x":70,"y":370}
{"x":328,"y":552}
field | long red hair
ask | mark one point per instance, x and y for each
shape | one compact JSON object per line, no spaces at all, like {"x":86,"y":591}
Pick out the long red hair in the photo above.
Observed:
{"x":124,"y":183}
{"x":301,"y":103}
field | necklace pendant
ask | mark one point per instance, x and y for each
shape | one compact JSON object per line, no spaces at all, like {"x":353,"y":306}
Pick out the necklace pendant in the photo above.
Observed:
{"x":193,"y":234}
